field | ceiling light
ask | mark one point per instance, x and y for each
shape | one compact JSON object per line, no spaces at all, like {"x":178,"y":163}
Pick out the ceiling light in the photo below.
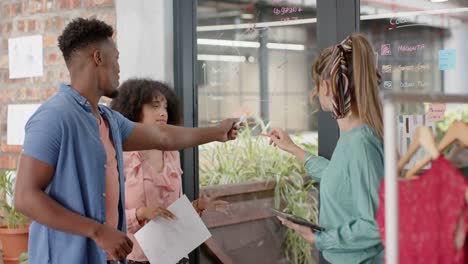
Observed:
{"x":247,"y":16}
{"x":226,"y":58}
{"x":248,"y":44}
{"x":228,"y":43}
{"x":282,"y":46}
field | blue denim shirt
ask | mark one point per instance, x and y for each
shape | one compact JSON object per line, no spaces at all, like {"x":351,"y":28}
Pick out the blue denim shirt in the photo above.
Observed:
{"x":64,"y":133}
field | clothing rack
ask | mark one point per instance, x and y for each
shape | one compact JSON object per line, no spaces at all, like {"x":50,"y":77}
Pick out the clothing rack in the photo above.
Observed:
{"x":390,"y":139}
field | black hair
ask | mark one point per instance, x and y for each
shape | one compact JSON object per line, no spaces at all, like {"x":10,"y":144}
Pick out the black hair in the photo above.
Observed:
{"x":134,"y":93}
{"x":80,"y":33}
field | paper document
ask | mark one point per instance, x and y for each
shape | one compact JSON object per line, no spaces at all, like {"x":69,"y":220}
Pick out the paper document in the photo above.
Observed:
{"x":168,"y":241}
{"x":18,"y":116}
{"x":25,"y":57}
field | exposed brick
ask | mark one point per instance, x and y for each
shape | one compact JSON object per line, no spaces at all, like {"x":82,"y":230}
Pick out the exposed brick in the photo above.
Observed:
{"x":36,"y":6}
{"x":5,"y":148}
{"x":21,"y":25}
{"x":49,"y":41}
{"x":6,"y":28}
{"x":8,"y":162}
{"x":15,"y":81}
{"x":5,"y":10}
{"x":53,"y":58}
{"x":90,"y":3}
{"x":49,"y":92}
{"x":30,"y":93}
{"x":29,"y":25}
{"x":6,"y":95}
{"x":24,"y":7}
{"x":64,"y":76}
{"x":47,"y":5}
{"x":4,"y":44}
{"x":33,"y":25}
{"x":4,"y":61}
{"x":48,"y":76}
{"x":55,"y":23}
{"x":3,"y":127}
{"x":68,"y":4}
{"x":49,"y":19}
{"x":14,"y":9}
{"x":3,"y":76}
{"x":109,"y":18}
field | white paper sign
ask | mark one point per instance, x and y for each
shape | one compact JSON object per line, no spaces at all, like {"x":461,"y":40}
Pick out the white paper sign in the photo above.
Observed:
{"x":168,"y":241}
{"x":18,"y":115}
{"x":25,"y":57}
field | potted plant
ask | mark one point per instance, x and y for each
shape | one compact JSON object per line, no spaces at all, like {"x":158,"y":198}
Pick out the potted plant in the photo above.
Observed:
{"x":14,"y":226}
{"x":254,"y":177}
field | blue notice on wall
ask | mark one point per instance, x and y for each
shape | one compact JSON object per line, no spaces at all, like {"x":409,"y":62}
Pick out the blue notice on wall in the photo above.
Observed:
{"x":447,"y":59}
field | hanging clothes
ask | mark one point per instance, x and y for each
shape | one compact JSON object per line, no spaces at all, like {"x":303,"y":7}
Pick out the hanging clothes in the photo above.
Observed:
{"x":429,"y":210}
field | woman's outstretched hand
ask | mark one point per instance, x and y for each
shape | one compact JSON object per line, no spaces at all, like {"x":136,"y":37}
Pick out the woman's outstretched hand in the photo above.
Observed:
{"x":282,"y":140}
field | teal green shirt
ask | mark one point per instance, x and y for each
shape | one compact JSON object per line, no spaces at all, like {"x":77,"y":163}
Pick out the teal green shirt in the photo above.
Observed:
{"x":349,"y":184}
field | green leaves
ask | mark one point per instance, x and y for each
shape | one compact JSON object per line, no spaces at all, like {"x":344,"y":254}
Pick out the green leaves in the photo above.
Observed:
{"x":250,"y":158}
{"x":23,"y":258}
{"x":12,"y":218}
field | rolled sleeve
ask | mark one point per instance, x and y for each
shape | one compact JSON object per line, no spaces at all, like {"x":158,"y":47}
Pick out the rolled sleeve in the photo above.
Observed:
{"x":43,"y":134}
{"x":125,"y":126}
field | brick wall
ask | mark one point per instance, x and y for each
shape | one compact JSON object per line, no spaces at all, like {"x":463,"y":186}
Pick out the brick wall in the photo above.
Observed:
{"x":32,"y":17}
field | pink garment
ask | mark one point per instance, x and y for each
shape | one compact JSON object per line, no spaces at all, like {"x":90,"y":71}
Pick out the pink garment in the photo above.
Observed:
{"x":146,"y":187}
{"x":112,"y":176}
{"x":429,"y":209}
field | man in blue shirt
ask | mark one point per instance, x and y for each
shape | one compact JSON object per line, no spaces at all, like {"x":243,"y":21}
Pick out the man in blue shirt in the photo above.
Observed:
{"x":61,"y":176}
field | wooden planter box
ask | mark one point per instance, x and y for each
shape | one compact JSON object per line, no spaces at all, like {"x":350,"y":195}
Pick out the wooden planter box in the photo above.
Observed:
{"x":249,"y":232}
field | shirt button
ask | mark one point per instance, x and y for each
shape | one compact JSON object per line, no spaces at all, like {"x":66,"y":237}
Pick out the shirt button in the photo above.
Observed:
{"x":105,"y":165}
{"x":103,"y":194}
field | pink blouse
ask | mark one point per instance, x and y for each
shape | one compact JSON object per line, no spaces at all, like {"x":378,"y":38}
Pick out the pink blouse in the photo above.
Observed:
{"x":144,"y":186}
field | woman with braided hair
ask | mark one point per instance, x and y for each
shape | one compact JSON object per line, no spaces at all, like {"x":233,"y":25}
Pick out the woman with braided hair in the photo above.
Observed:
{"x":347,"y":85}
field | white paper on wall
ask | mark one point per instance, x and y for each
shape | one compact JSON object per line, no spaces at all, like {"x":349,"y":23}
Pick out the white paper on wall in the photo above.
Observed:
{"x":25,"y":56}
{"x":18,"y":115}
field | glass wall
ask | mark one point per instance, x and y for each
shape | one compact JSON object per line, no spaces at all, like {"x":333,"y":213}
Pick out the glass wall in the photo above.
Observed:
{"x":420,"y":43}
{"x":420,"y":46}
{"x":254,"y":59}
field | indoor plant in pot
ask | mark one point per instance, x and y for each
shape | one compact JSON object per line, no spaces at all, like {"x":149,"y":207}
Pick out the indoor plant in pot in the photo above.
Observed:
{"x":14,"y":226}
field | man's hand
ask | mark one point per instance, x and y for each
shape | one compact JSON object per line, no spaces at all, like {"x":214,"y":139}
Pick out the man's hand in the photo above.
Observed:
{"x":228,"y":129}
{"x":113,"y":242}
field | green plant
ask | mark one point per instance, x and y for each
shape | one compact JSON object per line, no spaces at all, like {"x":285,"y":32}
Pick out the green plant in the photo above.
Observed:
{"x":12,"y":218}
{"x":23,"y":258}
{"x":251,"y":158}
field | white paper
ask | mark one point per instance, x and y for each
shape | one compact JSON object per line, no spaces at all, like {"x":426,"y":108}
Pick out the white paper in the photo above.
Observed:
{"x":168,"y":241}
{"x":18,"y":115}
{"x":25,"y":57}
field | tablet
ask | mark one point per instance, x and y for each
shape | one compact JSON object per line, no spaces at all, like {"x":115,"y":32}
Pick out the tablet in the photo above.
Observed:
{"x":297,"y":220}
